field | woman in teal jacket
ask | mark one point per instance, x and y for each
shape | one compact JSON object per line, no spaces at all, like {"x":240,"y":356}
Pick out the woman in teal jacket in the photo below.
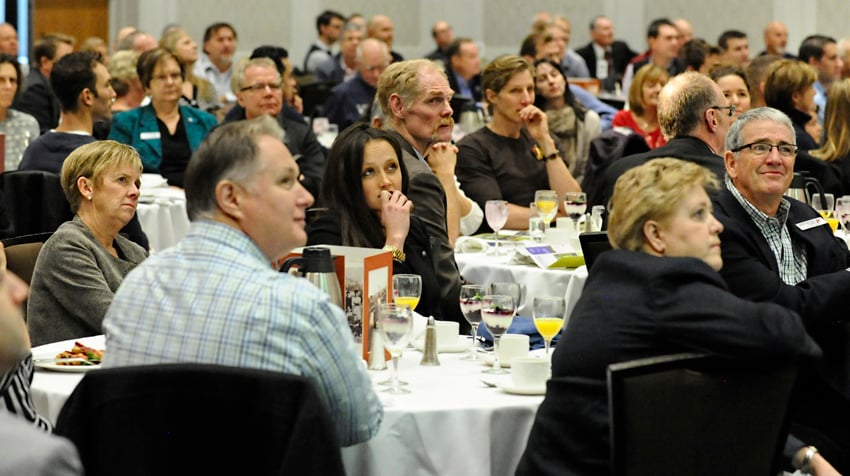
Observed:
{"x":165,"y":133}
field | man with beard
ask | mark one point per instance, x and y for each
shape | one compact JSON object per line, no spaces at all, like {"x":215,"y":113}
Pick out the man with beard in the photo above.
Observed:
{"x":216,"y":64}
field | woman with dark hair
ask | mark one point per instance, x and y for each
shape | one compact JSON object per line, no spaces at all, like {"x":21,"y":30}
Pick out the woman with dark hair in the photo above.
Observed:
{"x":642,"y":115}
{"x":164,"y":132}
{"x":18,"y":127}
{"x":569,"y":119}
{"x":365,"y":187}
{"x":733,"y":82}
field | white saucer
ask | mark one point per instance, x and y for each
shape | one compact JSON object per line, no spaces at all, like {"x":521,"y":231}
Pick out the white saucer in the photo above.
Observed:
{"x":509,"y":388}
{"x":461,"y":346}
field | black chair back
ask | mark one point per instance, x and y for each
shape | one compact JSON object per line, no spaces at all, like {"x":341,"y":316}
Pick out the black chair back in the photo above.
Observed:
{"x":313,"y":97}
{"x":691,"y":414}
{"x":32,"y":202}
{"x":605,"y":148}
{"x":177,"y":419}
{"x":593,"y":244}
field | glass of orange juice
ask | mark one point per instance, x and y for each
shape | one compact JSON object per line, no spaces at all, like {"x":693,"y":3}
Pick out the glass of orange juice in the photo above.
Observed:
{"x":549,"y":313}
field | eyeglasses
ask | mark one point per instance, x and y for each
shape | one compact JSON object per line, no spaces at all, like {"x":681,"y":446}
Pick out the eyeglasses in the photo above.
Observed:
{"x":720,"y":108}
{"x":262,"y":86}
{"x":761,"y":149}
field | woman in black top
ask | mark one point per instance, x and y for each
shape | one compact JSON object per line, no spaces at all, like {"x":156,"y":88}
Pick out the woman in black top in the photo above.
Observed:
{"x":364,"y":188}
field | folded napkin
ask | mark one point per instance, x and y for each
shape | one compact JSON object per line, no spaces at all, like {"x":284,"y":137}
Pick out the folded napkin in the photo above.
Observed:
{"x":469,"y":244}
{"x":520,"y":325}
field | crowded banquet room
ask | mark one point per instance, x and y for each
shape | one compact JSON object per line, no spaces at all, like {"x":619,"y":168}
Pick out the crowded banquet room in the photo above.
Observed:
{"x":424,"y":237}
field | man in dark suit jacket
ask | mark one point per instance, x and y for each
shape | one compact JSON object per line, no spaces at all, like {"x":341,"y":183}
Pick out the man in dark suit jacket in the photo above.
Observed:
{"x":37,"y":98}
{"x":780,"y":250}
{"x":464,"y":74}
{"x":602,"y":34}
{"x":696,"y":124}
{"x":350,"y":101}
{"x":298,"y":138}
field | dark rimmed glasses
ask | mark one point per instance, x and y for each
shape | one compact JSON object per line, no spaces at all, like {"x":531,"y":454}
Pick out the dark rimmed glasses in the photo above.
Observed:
{"x":761,"y":149}
{"x":731,"y":109}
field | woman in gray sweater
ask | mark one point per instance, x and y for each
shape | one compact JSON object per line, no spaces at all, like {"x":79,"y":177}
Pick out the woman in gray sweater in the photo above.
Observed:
{"x":81,"y":266}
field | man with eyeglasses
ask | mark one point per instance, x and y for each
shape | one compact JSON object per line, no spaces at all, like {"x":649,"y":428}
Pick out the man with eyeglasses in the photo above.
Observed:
{"x":350,"y":101}
{"x":777,"y":249}
{"x":259,"y":91}
{"x":694,"y":116}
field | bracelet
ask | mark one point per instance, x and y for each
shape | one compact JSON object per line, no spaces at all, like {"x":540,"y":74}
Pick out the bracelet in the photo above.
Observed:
{"x":552,"y":156}
{"x":398,"y":255}
{"x":806,"y":464}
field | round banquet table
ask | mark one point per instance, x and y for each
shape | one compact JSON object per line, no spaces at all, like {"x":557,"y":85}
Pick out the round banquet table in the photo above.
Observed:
{"x":451,"y":423}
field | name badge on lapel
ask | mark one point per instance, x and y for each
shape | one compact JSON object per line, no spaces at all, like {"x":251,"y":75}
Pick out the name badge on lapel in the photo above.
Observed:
{"x":805,"y":225}
{"x":149,"y":135}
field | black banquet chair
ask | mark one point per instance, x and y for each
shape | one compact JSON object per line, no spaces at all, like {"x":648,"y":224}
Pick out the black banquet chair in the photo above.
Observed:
{"x":179,"y":419}
{"x":32,"y":202}
{"x":697,"y":415}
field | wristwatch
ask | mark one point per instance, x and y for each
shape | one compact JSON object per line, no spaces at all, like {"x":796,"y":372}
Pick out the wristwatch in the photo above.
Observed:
{"x":398,"y":255}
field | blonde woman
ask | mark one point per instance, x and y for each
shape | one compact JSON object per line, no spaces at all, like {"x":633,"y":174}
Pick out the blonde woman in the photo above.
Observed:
{"x":197,"y":92}
{"x":642,"y":115}
{"x":836,"y":144}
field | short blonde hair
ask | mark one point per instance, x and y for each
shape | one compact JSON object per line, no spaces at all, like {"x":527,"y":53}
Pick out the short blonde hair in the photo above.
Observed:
{"x":91,"y":161}
{"x":651,"y":191}
{"x":402,"y":78}
{"x":122,"y":68}
{"x":784,"y":78}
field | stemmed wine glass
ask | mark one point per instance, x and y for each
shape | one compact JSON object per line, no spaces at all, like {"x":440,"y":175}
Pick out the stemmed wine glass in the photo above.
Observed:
{"x":549,"y":312}
{"x":547,"y":205}
{"x":470,"y":306}
{"x":407,"y":289}
{"x":497,"y":312}
{"x":842,"y":212}
{"x":508,"y":289}
{"x":575,"y":204}
{"x":395,"y":323}
{"x":496,"y":212}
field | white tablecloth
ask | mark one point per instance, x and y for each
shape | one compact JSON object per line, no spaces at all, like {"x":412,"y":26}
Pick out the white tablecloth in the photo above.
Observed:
{"x":480,"y":268}
{"x":162,"y":213}
{"x":452,"y":424}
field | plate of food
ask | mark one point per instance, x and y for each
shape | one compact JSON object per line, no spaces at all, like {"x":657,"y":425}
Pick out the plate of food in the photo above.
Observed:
{"x":79,"y":358}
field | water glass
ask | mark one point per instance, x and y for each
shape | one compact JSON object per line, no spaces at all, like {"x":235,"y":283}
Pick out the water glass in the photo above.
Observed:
{"x":497,"y":312}
{"x":470,"y":305}
{"x":395,"y":323}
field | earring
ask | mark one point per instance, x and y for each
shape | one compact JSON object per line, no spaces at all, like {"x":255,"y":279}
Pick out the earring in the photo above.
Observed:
{"x":90,"y":197}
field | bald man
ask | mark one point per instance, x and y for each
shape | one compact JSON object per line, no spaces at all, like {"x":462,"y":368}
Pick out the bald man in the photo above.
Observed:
{"x":775,"y":40}
{"x":381,"y":28}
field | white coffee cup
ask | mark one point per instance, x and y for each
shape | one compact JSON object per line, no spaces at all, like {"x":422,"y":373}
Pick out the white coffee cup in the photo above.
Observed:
{"x":512,"y":346}
{"x":529,"y":372}
{"x":447,"y":332}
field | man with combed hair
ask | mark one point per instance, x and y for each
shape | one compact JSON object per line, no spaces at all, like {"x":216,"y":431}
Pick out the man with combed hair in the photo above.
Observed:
{"x":777,"y":249}
{"x":606,"y":58}
{"x":328,"y":26}
{"x":259,"y":91}
{"x":664,"y":42}
{"x":37,"y":98}
{"x":694,"y":116}
{"x":216,"y":63}
{"x":343,"y":65}
{"x":735,"y":47}
{"x":414,"y":97}
{"x":214,"y":298}
{"x":821,"y":53}
{"x":349,"y":101}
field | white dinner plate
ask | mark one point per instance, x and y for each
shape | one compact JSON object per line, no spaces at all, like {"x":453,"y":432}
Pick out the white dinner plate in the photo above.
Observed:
{"x":53,"y":366}
{"x":49,"y":351}
{"x":461,"y":346}
{"x":510,"y":388}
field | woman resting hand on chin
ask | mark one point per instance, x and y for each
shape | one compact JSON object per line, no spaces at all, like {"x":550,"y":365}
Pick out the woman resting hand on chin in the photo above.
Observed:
{"x":364,"y":189}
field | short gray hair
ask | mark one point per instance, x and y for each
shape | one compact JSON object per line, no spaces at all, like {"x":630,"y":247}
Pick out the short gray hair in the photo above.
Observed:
{"x":229,"y":152}
{"x":238,"y":77}
{"x":735,"y":136}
